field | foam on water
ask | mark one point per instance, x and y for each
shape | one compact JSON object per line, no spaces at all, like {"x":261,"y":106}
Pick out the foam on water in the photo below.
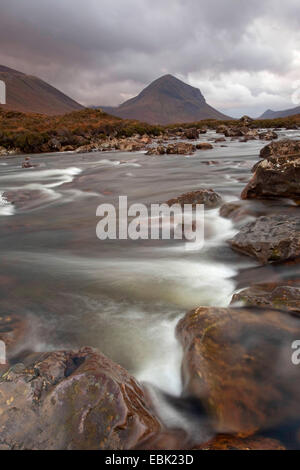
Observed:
{"x":146,"y":298}
{"x":163,"y":367}
{"x":6,"y":208}
{"x":50,"y":178}
{"x":107,"y":162}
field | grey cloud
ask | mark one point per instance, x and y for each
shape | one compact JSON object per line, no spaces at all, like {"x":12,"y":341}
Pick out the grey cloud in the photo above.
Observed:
{"x":99,"y":51}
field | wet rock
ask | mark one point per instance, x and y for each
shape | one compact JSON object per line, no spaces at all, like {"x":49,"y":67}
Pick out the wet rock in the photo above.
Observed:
{"x":243,"y":211}
{"x":68,"y":148}
{"x":27,"y":163}
{"x":235,"y":211}
{"x":241,"y":131}
{"x":276,"y":295}
{"x":72,"y":400}
{"x":269,"y":239}
{"x":145,"y":139}
{"x":191,"y":134}
{"x":283,"y":147}
{"x":130,"y":146}
{"x":237,"y":362}
{"x":208,"y":197}
{"x":250,"y":134}
{"x":159,"y":150}
{"x":204,"y":146}
{"x":88,"y":148}
{"x":25,"y":199}
{"x":276,"y":176}
{"x":227,"y":442}
{"x":221,"y":129}
{"x":270,"y":135}
{"x":220,"y":139}
{"x":235,"y":132}
{"x":180,"y":148}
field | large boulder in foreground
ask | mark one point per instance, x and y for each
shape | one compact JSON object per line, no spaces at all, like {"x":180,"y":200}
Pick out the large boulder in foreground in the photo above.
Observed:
{"x":72,"y":400}
{"x":278,"y":175}
{"x":237,"y":362}
{"x":283,"y":295}
{"x":210,"y":198}
{"x":269,"y":238}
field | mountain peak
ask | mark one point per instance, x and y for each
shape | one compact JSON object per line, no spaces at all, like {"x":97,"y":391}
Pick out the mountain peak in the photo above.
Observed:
{"x":167,"y":100}
{"x":172,"y":86}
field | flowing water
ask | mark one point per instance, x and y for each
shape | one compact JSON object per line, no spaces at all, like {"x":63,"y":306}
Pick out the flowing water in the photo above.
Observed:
{"x":123,"y":297}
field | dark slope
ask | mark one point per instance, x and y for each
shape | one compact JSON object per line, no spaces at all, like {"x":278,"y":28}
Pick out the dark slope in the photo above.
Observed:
{"x":27,"y":93}
{"x":167,"y":100}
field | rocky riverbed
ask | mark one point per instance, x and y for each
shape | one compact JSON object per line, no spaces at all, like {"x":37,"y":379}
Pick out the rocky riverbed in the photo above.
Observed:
{"x":101,"y":351}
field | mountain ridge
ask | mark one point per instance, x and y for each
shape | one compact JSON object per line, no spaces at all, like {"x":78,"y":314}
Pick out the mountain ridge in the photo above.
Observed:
{"x":270,"y":114}
{"x":167,"y":100}
{"x":27,"y":93}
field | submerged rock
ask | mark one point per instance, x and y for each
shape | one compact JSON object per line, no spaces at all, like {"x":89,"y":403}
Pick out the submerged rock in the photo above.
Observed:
{"x":237,"y":362}
{"x":27,"y":163}
{"x":72,"y":400}
{"x":269,"y":238}
{"x":283,"y":296}
{"x":236,"y":211}
{"x":208,"y":197}
{"x":204,"y":146}
{"x":25,"y":198}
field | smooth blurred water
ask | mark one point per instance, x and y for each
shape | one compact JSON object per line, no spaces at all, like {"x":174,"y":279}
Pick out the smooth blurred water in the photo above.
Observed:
{"x":123,"y":297}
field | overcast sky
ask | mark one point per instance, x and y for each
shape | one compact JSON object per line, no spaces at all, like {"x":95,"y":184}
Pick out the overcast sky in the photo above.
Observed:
{"x":243,"y":55}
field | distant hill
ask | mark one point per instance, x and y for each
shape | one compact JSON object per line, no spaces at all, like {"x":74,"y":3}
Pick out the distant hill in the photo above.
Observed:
{"x":27,"y":93}
{"x":269,"y":114}
{"x":167,"y":100}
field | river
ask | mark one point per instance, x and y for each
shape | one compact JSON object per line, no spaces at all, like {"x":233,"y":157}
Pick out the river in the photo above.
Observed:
{"x":123,"y":297}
